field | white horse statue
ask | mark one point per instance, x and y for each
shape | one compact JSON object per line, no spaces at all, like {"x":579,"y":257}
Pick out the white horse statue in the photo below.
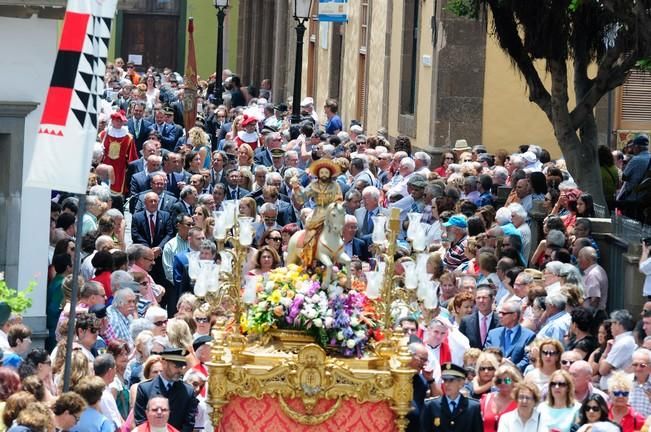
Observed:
{"x":330,"y":244}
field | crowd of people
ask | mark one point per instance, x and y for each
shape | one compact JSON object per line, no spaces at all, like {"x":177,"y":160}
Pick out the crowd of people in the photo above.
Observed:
{"x":520,"y":339}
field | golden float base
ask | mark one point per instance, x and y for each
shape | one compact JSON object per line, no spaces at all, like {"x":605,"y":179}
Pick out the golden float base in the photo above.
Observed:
{"x":292,"y":368}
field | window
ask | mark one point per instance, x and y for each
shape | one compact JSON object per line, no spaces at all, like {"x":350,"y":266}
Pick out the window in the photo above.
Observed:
{"x":409,"y":58}
{"x":635,"y":101}
{"x":336,"y":53}
{"x":360,"y":109}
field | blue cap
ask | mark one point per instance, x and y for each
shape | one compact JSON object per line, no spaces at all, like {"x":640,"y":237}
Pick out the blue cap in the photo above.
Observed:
{"x":641,"y":140}
{"x":457,"y":220}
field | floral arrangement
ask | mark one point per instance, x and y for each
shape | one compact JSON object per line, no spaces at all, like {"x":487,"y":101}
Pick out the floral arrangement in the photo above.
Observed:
{"x":339,"y":319}
{"x":18,"y":301}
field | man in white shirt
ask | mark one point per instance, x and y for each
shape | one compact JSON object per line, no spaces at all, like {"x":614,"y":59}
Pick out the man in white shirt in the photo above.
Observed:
{"x":619,"y":354}
{"x":595,"y":279}
{"x":104,"y":366}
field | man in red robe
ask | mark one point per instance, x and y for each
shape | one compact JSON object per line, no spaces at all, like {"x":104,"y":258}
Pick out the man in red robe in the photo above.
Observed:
{"x":119,"y":150}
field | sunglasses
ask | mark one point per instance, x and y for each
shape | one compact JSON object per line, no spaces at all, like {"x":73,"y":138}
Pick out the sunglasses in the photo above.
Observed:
{"x":505,"y":313}
{"x":567,"y":362}
{"x":506,"y":381}
{"x":93,"y":330}
{"x":160,"y":323}
{"x":275,"y":238}
{"x":550,"y":353}
{"x":558,"y":384}
{"x":593,"y":408}
{"x":202,"y":320}
{"x":620,"y":393}
{"x":487,"y":369}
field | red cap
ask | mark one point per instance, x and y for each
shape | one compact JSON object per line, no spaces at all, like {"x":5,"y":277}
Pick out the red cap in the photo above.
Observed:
{"x":119,"y":115}
{"x":247,"y":120}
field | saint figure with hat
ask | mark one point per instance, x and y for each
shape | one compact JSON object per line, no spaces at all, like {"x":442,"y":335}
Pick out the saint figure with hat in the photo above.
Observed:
{"x":119,"y":150}
{"x":323,"y":191}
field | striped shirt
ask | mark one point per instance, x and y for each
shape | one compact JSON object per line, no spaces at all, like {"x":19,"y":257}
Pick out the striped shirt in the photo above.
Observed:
{"x":455,"y":255}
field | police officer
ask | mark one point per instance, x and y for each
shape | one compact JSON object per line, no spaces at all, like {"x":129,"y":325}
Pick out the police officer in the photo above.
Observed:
{"x":452,"y":411}
{"x":182,"y":401}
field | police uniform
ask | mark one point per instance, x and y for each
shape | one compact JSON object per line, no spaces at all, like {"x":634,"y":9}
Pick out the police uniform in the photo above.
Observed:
{"x":183,"y":402}
{"x":437,"y":417}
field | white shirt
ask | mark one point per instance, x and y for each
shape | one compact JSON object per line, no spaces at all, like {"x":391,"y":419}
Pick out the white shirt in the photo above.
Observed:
{"x":620,"y":355}
{"x":109,"y":407}
{"x":645,"y":267}
{"x":511,"y":422}
{"x":4,"y":343}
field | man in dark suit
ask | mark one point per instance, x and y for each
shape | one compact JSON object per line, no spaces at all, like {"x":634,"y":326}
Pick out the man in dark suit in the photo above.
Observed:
{"x":167,"y":133}
{"x":185,"y":204}
{"x":422,"y":380}
{"x":180,"y":264}
{"x":354,"y":246}
{"x":262,"y":155}
{"x":175,"y":179}
{"x":217,"y":171}
{"x":150,"y":147}
{"x":140,"y":181}
{"x":269,"y":216}
{"x":370,"y":208}
{"x":452,"y":412}
{"x":158,"y":184}
{"x":139,"y":126}
{"x":233,"y":189}
{"x":153,"y":228}
{"x":477,"y":325}
{"x":511,"y":338}
{"x":169,"y":383}
{"x":176,"y":130}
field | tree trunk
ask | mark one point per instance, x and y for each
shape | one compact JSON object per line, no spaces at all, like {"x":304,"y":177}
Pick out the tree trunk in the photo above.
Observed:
{"x":583,"y":164}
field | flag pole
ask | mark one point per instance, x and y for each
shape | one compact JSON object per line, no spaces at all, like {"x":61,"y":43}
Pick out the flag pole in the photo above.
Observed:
{"x":72,"y":316}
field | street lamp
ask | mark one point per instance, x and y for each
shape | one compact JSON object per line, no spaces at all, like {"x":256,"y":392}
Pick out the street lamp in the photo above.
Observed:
{"x":302,"y":10}
{"x":221,"y":6}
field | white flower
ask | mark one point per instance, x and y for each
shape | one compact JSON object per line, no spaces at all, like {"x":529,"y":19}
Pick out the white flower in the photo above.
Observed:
{"x":329,"y":321}
{"x":354,"y":322}
{"x":360,"y":334}
{"x":340,"y":335}
{"x":311,"y":313}
{"x":350,"y":343}
{"x":318,"y":322}
{"x":299,"y":296}
{"x":269,"y":286}
{"x":286,"y":301}
{"x":263,"y":305}
{"x":315,"y":298}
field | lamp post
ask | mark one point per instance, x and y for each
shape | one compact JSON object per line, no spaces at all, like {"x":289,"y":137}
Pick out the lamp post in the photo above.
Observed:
{"x":221,"y":6}
{"x":301,"y":15}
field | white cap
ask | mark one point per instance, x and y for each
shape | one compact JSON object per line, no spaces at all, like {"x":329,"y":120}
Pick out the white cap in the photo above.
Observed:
{"x":530,"y":157}
{"x":307,"y":101}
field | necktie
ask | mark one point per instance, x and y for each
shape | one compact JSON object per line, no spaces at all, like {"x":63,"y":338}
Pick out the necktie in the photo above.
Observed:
{"x":483,"y":329}
{"x":369,"y":222}
{"x":137,"y":127}
{"x":152,"y":226}
{"x":507,"y":340}
{"x":453,"y":406}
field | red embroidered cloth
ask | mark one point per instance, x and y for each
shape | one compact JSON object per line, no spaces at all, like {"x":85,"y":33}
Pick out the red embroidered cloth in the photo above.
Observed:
{"x":252,"y":415}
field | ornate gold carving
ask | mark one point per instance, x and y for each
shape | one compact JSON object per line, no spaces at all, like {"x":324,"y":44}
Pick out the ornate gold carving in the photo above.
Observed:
{"x":310,"y":375}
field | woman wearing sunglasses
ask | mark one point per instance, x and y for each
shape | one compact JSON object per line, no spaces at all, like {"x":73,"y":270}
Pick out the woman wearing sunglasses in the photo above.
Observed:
{"x":548,"y":361}
{"x":594,"y":409}
{"x":558,"y":412}
{"x":619,"y":387}
{"x":486,"y":366}
{"x":494,"y":405}
{"x":526,"y":417}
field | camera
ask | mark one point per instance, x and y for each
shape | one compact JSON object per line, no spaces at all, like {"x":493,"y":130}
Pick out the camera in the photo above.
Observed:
{"x":646,"y":241}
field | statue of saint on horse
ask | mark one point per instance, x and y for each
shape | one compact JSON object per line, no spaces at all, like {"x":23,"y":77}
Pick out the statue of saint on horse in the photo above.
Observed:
{"x":321,"y":240}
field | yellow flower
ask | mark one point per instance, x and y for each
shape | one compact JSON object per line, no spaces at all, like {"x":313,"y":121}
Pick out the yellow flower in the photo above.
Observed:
{"x":289,"y":294}
{"x":275,"y":296}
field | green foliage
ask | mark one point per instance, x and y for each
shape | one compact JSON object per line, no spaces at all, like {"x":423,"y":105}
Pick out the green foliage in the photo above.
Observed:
{"x":465,"y":8}
{"x":644,"y":64}
{"x":574,"y":5}
{"x":18,"y":301}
